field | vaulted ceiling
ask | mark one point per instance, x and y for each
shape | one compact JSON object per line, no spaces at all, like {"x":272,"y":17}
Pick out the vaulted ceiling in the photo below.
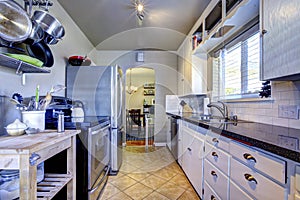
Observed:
{"x":113,"y":24}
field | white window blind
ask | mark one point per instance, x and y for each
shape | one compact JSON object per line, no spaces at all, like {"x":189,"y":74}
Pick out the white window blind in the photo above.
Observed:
{"x":237,"y":67}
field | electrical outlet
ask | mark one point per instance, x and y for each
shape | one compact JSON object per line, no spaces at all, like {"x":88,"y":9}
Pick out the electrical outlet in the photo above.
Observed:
{"x":288,"y":142}
{"x":288,"y":111}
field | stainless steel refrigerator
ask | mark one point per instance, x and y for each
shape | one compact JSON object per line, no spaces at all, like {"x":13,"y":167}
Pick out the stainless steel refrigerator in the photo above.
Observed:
{"x":100,"y":88}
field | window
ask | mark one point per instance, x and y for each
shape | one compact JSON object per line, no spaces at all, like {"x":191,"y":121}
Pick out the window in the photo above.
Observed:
{"x":236,"y":69}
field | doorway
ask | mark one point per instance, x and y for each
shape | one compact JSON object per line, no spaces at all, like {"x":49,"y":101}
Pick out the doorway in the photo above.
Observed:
{"x":140,"y":106}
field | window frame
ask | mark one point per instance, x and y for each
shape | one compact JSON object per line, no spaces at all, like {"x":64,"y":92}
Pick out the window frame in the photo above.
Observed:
{"x":242,"y":36}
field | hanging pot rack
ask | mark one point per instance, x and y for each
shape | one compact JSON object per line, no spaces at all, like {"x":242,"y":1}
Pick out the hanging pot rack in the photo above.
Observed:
{"x":41,"y":3}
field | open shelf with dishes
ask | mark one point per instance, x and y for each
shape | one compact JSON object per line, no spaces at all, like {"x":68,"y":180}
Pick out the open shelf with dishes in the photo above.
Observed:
{"x":221,"y":21}
{"x":149,"y":89}
{"x":20,"y":66}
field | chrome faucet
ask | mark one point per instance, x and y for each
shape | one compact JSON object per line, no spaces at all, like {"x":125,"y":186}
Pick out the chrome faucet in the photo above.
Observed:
{"x":223,"y":110}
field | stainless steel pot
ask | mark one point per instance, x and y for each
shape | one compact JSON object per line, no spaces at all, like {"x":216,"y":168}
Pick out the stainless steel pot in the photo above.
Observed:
{"x":54,"y":31}
{"x":36,"y":34}
{"x":15,"y":24}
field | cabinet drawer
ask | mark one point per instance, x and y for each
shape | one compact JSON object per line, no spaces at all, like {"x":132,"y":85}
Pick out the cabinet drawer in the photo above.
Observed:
{"x":217,"y":157}
{"x":209,"y":193}
{"x":237,"y":193}
{"x":216,"y":179}
{"x":256,"y":184}
{"x":265,"y":163}
{"x":217,"y":140}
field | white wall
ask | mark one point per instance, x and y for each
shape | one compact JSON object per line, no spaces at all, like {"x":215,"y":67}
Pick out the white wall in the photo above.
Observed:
{"x":283,"y":93}
{"x":165,"y":65}
{"x":74,"y":43}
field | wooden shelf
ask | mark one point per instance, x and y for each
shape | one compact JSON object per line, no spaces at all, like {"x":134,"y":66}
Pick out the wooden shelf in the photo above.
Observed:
{"x":51,"y":185}
{"x":21,"y":66}
{"x":235,"y":19}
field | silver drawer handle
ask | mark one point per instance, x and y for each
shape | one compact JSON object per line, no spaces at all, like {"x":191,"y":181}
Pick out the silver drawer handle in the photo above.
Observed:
{"x":212,"y":197}
{"x":249,"y":157}
{"x":213,"y":173}
{"x":215,"y":140}
{"x":214,"y":154}
{"x":250,"y":178}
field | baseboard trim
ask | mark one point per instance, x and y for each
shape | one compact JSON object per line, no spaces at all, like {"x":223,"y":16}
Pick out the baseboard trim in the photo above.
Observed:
{"x":160,"y":144}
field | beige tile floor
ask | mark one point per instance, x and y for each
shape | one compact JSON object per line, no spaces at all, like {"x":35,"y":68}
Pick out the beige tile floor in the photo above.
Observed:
{"x":148,"y":175}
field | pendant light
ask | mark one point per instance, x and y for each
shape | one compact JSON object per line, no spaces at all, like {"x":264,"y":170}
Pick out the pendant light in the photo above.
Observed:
{"x":130,"y":89}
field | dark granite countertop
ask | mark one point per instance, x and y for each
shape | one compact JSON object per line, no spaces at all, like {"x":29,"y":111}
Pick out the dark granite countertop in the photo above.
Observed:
{"x":263,"y":136}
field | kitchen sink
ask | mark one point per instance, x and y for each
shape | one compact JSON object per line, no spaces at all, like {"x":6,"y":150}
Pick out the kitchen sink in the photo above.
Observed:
{"x":216,"y":119}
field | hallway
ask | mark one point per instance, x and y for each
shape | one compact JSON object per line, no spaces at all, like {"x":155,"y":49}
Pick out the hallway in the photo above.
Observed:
{"x":149,"y":175}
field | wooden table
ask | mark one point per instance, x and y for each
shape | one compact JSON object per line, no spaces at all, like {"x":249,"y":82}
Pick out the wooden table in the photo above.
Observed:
{"x":18,"y":152}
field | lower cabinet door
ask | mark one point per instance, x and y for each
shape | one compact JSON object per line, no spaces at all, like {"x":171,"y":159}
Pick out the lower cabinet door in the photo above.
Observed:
{"x":237,"y":193}
{"x":216,"y":179}
{"x":209,"y":193}
{"x":254,"y":183}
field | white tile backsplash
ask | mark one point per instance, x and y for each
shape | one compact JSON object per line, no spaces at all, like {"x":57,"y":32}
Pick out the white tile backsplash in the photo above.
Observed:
{"x":283,"y":93}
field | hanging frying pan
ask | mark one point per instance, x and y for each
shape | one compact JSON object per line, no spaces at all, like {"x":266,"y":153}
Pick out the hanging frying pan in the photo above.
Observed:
{"x":41,"y":51}
{"x":15,"y":24}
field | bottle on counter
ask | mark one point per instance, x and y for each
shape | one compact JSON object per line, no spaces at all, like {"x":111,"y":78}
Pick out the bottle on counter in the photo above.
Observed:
{"x":60,"y":122}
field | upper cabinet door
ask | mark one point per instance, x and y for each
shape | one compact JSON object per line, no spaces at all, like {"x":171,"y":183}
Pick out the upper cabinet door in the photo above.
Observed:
{"x":280,"y":30}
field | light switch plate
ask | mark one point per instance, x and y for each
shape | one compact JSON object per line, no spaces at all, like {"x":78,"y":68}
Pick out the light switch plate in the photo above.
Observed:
{"x":288,"y":111}
{"x":140,"y":56}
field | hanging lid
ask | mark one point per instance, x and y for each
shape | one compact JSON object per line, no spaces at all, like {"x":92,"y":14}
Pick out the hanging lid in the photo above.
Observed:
{"x":15,"y":24}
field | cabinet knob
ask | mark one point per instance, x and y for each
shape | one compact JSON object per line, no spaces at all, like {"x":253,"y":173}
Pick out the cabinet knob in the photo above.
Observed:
{"x":189,"y":149}
{"x":249,"y":157}
{"x":214,"y":154}
{"x":212,"y":197}
{"x":213,"y":173}
{"x":250,"y":178}
{"x":264,"y":31}
{"x":215,"y":140}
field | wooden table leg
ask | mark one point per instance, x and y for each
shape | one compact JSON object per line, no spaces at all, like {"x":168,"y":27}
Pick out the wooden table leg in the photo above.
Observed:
{"x":28,"y":182}
{"x":71,"y":167}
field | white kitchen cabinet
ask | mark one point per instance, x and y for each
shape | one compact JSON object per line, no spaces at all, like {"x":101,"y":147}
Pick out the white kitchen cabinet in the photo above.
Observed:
{"x":216,"y":179}
{"x":217,"y":157}
{"x":179,"y":144}
{"x":237,"y":193}
{"x":209,"y":192}
{"x":255,"y":183}
{"x":199,"y":73}
{"x":217,"y":140}
{"x":268,"y":164}
{"x":192,"y":158}
{"x":280,"y":26}
{"x":185,"y":68}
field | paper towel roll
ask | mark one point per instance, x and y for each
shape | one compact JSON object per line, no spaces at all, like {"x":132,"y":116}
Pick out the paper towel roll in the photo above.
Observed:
{"x":206,"y":110}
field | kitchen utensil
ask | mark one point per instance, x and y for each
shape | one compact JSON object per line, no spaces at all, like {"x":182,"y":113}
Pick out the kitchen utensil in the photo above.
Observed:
{"x":53,"y":29}
{"x":76,"y":60}
{"x":15,"y":24}
{"x":17,"y":97}
{"x":41,"y":51}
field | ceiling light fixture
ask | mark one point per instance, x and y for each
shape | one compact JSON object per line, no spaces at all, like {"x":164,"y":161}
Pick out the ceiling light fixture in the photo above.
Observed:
{"x":139,"y":7}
